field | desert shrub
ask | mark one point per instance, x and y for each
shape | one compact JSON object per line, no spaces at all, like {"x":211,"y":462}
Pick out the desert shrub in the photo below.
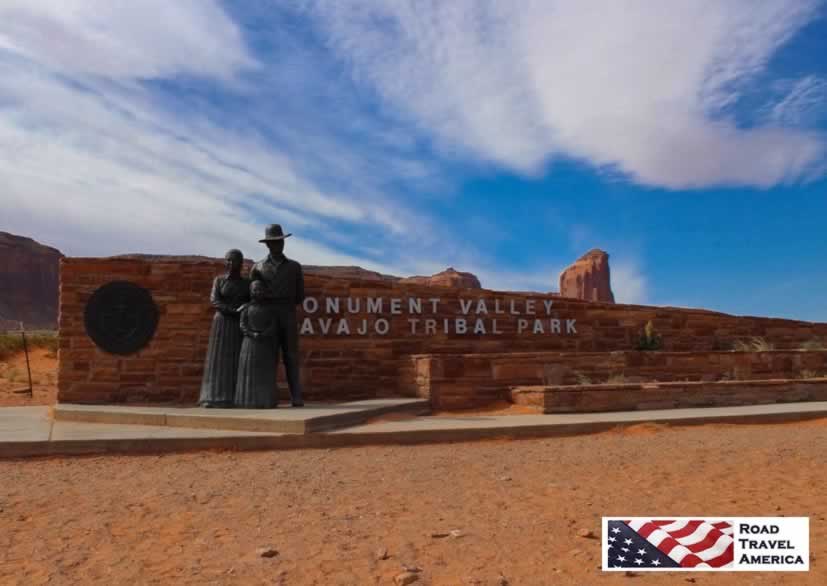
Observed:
{"x":813,"y":344}
{"x":809,"y":374}
{"x":754,"y":344}
{"x":650,"y":339}
{"x":583,"y":379}
{"x":12,"y":342}
{"x":616,"y":379}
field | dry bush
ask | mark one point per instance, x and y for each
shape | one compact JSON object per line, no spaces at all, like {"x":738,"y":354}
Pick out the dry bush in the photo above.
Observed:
{"x":813,"y":344}
{"x":11,"y":343}
{"x":809,"y":374}
{"x":616,"y":379}
{"x":582,"y":379}
{"x":754,"y":344}
{"x":649,"y":339}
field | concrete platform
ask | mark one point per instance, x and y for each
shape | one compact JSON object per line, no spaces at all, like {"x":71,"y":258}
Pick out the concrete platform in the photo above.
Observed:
{"x":313,"y":417}
{"x":29,"y":431}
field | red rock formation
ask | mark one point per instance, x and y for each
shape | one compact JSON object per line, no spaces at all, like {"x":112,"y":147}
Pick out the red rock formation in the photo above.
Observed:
{"x":28,"y":281}
{"x":340,"y":272}
{"x":588,"y":278}
{"x":450,"y":277}
{"x":349,"y":273}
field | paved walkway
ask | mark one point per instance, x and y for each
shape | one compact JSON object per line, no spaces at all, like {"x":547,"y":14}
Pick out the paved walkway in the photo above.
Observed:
{"x":30,"y":431}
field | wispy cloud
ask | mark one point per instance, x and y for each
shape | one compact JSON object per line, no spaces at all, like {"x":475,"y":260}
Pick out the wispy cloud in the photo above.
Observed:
{"x":804,"y":103}
{"x":100,"y":156}
{"x":121,"y":39}
{"x":346,"y":120}
{"x":638,"y":86}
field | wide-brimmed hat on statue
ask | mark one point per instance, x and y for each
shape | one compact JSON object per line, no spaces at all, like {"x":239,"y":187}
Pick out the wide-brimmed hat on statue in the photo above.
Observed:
{"x":274,"y":232}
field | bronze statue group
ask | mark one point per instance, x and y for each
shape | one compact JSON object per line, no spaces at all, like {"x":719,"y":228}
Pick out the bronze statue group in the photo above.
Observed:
{"x":255,"y":322}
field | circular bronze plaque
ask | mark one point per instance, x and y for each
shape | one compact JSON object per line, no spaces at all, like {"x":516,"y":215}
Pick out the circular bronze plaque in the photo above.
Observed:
{"x":121,"y":317}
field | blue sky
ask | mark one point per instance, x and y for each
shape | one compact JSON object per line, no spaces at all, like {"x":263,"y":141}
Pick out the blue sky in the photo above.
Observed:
{"x":686,"y":138}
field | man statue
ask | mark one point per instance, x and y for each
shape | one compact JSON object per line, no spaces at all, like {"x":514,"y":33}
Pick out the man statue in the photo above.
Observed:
{"x":284,"y":291}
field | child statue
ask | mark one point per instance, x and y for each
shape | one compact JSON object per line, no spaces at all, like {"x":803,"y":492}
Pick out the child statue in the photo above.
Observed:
{"x":229,"y":292}
{"x":256,"y":385}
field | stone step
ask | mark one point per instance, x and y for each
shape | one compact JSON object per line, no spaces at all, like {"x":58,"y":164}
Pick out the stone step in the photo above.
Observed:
{"x":669,"y":395}
{"x":313,"y":417}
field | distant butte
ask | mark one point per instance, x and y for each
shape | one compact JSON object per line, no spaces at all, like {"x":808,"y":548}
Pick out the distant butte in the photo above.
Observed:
{"x":450,"y":277}
{"x":28,"y":283}
{"x":588,"y":278}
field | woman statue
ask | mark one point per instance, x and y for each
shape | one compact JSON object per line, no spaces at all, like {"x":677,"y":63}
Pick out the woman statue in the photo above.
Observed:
{"x":256,"y":386}
{"x":229,"y":292}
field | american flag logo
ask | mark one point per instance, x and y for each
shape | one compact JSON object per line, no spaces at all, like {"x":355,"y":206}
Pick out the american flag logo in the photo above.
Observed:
{"x":650,"y":544}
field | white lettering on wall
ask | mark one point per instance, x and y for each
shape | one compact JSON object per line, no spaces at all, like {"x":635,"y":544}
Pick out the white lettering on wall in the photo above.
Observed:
{"x":332,"y":305}
{"x":381,"y":310}
{"x":307,"y":327}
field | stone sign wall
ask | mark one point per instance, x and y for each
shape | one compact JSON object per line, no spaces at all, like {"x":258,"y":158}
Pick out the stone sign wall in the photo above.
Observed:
{"x":454,"y":381}
{"x":357,"y":337}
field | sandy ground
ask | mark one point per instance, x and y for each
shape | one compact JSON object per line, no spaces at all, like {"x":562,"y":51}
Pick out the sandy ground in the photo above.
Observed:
{"x":519,"y":505}
{"x":13,"y":377}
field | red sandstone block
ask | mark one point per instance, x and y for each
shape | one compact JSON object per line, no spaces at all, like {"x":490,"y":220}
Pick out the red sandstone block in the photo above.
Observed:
{"x":167,"y":369}
{"x":134,"y":378}
{"x":91,"y":389}
{"x":186,"y":308}
{"x":191,"y":371}
{"x":108,"y":375}
{"x":143,"y":365}
{"x":178,"y":355}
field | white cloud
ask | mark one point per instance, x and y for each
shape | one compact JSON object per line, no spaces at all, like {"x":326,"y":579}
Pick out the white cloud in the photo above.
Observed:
{"x":154,"y":127}
{"x":97,"y":162}
{"x":629,"y":284}
{"x":123,"y":39}
{"x":636,"y":86}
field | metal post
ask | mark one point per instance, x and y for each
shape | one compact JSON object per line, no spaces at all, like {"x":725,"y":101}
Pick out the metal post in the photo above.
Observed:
{"x":26,"y":351}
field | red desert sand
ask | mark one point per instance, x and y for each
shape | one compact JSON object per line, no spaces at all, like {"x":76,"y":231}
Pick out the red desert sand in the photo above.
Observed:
{"x":14,"y":379}
{"x":493,"y":512}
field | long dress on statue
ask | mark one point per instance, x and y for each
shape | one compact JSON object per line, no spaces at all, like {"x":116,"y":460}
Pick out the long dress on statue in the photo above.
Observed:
{"x":256,"y":385}
{"x":221,"y":363}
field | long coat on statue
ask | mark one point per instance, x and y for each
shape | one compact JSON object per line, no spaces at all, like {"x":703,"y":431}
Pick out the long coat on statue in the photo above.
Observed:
{"x":285,"y":290}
